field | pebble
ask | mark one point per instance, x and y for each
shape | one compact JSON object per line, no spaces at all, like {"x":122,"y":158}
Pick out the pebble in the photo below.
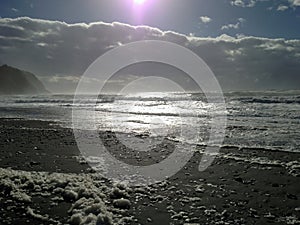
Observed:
{"x":122,"y":203}
{"x":269,"y":216}
{"x":239,"y":179}
{"x":210,"y":212}
{"x":200,"y":189}
{"x":291,"y":196}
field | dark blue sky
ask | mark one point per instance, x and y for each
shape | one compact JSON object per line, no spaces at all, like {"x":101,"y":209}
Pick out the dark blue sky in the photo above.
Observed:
{"x":262,"y":19}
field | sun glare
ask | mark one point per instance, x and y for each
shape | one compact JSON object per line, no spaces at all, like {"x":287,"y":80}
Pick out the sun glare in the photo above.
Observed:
{"x":139,"y":2}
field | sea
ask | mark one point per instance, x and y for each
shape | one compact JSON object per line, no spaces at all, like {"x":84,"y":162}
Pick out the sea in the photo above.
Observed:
{"x":268,"y":120}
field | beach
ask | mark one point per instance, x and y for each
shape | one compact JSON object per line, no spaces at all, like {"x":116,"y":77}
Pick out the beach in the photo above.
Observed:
{"x":44,"y":180}
{"x":147,"y":112}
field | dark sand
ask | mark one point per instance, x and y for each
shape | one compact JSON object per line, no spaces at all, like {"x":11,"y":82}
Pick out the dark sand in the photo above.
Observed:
{"x":242,"y":186}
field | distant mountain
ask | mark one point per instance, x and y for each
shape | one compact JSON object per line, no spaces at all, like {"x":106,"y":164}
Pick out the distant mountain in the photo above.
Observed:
{"x":14,"y":81}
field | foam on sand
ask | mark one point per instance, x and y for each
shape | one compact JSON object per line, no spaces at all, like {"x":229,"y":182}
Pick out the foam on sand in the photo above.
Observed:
{"x":88,"y":194}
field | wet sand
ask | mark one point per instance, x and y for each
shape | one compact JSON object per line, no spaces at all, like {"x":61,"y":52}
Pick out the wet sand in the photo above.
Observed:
{"x":43,"y":181}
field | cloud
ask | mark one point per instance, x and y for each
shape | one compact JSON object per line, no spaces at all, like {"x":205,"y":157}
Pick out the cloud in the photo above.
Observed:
{"x":59,"y":52}
{"x":205,"y":19}
{"x":252,"y":3}
{"x":243,"y":3}
{"x":236,"y":25}
{"x":57,"y":79}
{"x":290,"y":4}
{"x":282,"y":8}
{"x":60,"y":83}
{"x":294,"y":3}
{"x":14,"y":10}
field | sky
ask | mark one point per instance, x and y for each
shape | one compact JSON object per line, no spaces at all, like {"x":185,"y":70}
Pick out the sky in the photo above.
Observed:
{"x":248,"y":44}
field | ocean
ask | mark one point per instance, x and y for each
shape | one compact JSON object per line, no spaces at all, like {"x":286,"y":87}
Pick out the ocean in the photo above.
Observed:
{"x":269,"y":120}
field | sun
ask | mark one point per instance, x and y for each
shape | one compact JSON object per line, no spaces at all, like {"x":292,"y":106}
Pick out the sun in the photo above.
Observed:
{"x":139,"y":2}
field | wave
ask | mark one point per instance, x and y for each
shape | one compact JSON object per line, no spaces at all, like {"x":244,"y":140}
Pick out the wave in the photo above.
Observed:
{"x":290,"y":99}
{"x":271,"y":100}
{"x":44,"y":101}
{"x":160,"y":113}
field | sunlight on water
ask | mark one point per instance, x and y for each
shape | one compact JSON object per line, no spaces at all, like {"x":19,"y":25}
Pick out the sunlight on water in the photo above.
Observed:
{"x":155,"y":114}
{"x":254,"y":120}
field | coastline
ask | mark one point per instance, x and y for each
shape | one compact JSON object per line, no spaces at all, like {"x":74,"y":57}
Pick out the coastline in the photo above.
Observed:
{"x":242,"y":186}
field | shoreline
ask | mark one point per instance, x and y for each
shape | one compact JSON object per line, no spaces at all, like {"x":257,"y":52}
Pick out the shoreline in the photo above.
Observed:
{"x":242,"y":186}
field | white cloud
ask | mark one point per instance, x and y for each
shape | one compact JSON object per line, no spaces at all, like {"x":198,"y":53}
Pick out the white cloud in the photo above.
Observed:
{"x":61,"y":52}
{"x":57,"y":79}
{"x":289,"y":4}
{"x":236,"y":25}
{"x":205,"y":19}
{"x":243,"y":3}
{"x":295,"y":3}
{"x":14,"y":10}
{"x":252,"y":3}
{"x":282,"y":8}
{"x":231,"y":26}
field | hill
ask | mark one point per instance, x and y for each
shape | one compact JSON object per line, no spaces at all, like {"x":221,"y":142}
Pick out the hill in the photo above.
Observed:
{"x":14,"y":81}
